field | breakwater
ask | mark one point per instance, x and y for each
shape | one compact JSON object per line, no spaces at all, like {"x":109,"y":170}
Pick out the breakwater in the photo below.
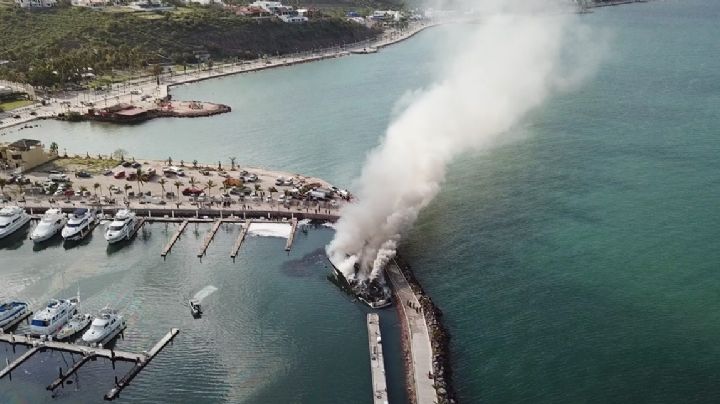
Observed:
{"x":439,"y":337}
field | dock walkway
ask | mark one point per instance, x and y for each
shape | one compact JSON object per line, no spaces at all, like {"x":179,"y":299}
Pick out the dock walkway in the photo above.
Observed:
{"x":377,"y":360}
{"x":419,"y":344}
{"x":293,"y":228}
{"x":209,"y":238}
{"x":174,"y":239}
{"x":240,"y":239}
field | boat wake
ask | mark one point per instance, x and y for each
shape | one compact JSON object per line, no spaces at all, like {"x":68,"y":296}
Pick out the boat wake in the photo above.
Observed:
{"x":204,"y":292}
{"x":270,"y":229}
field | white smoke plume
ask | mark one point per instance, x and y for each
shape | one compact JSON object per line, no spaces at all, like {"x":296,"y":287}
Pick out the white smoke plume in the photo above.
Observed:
{"x":519,"y":54}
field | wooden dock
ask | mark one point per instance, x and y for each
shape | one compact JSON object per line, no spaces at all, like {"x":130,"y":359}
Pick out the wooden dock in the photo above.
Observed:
{"x":174,"y":239}
{"x":293,"y":228}
{"x":240,"y":239}
{"x":17,"y":362}
{"x":75,"y":367}
{"x":10,"y":325}
{"x":377,"y":360}
{"x":209,"y":238}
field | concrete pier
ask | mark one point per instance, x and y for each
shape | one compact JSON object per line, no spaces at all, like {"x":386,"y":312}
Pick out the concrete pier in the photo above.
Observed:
{"x":420,"y":375}
{"x":377,"y":360}
{"x":174,"y":239}
{"x":293,"y":228}
{"x":240,"y":239}
{"x":209,"y":238}
{"x":17,"y":362}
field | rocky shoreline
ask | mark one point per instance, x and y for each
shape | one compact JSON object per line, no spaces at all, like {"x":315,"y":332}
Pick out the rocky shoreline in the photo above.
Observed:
{"x":439,"y":339}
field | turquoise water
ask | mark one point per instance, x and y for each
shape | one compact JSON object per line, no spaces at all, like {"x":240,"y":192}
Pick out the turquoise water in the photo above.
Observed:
{"x":577,"y":264}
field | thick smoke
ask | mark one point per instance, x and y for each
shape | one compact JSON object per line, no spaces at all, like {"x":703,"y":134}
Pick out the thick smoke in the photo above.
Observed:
{"x":516,"y":57}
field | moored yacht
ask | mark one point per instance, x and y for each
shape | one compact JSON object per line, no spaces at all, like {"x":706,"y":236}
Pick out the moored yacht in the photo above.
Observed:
{"x":123,"y":226}
{"x":76,"y":324}
{"x":52,"y":222}
{"x":10,"y":311}
{"x":79,"y":224}
{"x":48,"y":321}
{"x":106,"y":326}
{"x":11,"y":219}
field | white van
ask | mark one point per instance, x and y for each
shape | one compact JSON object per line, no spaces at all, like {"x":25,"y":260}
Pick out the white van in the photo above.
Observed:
{"x":57,"y":177}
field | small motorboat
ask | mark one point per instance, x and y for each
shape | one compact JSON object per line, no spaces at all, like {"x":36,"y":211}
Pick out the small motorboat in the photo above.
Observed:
{"x":195,"y":308}
{"x":76,"y":324}
{"x":106,"y":326}
{"x":10,"y":311}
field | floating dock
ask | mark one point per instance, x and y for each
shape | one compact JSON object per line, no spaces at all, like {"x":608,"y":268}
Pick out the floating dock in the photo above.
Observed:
{"x":174,"y":239}
{"x":377,"y":360}
{"x":240,"y":239}
{"x":87,"y":353}
{"x":293,"y":228}
{"x":209,"y":238}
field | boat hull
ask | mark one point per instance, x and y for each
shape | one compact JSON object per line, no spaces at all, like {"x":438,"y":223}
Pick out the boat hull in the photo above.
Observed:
{"x":14,"y":316}
{"x":16,"y":226}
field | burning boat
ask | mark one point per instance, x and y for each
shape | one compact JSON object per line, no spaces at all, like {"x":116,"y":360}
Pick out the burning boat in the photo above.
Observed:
{"x":372,"y":291}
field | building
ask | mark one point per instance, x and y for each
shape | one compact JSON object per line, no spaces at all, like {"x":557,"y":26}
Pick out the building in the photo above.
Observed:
{"x":24,"y":154}
{"x":35,"y":3}
{"x":91,"y":3}
{"x":268,"y":6}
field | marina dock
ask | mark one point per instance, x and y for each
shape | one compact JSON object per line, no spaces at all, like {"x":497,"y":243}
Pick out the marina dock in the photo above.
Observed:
{"x":87,"y":353}
{"x":240,"y":239}
{"x":174,"y":239}
{"x":209,"y":238}
{"x":293,"y":228}
{"x":377,"y":360}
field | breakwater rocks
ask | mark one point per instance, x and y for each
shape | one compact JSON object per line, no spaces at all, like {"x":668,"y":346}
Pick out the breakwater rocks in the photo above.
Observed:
{"x":439,"y":338}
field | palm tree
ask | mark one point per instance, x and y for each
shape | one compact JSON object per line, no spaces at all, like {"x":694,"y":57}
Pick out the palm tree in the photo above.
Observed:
{"x":139,"y":174}
{"x":272,"y":190}
{"x":192,"y":182}
{"x":169,"y":160}
{"x":195,"y":163}
{"x":162,"y":183}
{"x":95,"y":187}
{"x":232,"y":163}
{"x":3,"y":183}
{"x":127,"y":187}
{"x":210,"y":185}
{"x":53,"y":148}
{"x":83,"y":189}
{"x":178,"y":184}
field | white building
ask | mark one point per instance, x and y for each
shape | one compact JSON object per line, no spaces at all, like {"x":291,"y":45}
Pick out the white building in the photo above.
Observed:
{"x":90,"y":3}
{"x":268,"y":6}
{"x":203,"y":2}
{"x":293,"y":19}
{"x":35,"y":3}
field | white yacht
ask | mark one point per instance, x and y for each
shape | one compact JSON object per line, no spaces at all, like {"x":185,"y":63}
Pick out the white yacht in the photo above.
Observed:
{"x":53,"y":317}
{"x":76,"y":324}
{"x":123,"y":226}
{"x":52,"y":222}
{"x":10,"y":311}
{"x":79,"y":224}
{"x":105,"y":327}
{"x":11,"y":219}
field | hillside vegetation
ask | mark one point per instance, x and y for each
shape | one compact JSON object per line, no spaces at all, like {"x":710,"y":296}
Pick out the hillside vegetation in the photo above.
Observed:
{"x":65,"y":40}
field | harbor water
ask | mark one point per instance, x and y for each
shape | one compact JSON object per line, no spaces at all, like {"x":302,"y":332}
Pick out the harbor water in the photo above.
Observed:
{"x":577,"y":263}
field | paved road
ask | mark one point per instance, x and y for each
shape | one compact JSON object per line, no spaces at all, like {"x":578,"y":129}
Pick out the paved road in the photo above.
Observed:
{"x":420,"y":347}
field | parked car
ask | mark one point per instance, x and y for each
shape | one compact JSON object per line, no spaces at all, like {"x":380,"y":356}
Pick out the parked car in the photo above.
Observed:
{"x":136,"y":165}
{"x":83,"y":174}
{"x":119,"y":175}
{"x":108,"y":172}
{"x":126,"y":164}
{"x":191,"y":191}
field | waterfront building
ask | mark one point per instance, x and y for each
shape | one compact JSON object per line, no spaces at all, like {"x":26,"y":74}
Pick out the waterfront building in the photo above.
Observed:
{"x":24,"y":154}
{"x":35,"y":3}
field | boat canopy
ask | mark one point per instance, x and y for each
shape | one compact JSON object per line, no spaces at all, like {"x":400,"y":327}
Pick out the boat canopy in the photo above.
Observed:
{"x":79,"y":211}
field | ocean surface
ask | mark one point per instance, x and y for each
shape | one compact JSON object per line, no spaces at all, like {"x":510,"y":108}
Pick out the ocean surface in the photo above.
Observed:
{"x":578,"y":263}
